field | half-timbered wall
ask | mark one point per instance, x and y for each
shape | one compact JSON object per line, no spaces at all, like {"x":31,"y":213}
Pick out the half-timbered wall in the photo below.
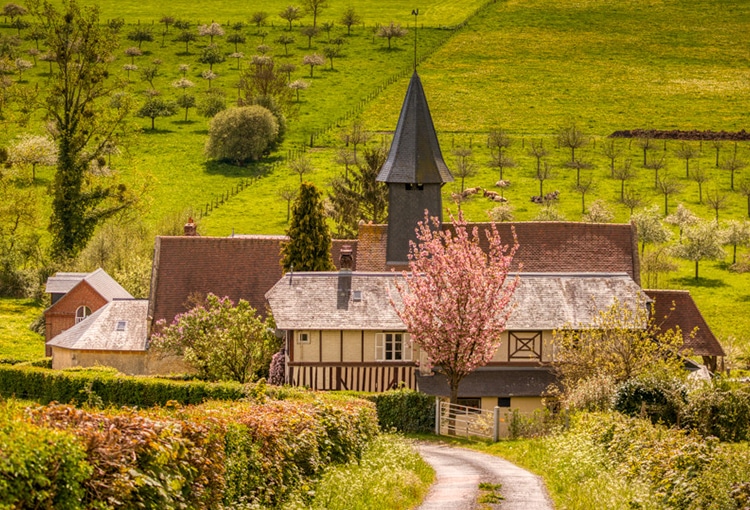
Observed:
{"x":524,"y":347}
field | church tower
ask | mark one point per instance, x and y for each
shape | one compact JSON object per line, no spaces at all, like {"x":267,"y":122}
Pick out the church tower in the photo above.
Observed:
{"x":414,"y":172}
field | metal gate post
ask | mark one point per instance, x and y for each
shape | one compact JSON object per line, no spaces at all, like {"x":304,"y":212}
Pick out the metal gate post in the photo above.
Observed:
{"x":437,"y":416}
{"x":496,"y":425}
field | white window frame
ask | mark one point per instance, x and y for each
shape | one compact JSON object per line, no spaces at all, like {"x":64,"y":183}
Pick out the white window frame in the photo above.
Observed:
{"x":82,"y":312}
{"x":393,"y":346}
{"x":303,"y":337}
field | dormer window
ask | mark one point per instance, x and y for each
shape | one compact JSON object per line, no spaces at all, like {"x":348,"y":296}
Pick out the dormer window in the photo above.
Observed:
{"x":82,"y":312}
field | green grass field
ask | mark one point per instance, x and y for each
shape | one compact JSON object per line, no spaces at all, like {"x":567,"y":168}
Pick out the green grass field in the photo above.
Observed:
{"x":528,"y":67}
{"x":17,"y":341}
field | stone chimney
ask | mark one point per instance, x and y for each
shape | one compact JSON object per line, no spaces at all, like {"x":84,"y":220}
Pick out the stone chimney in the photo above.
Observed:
{"x":346,"y":261}
{"x":191,"y":229}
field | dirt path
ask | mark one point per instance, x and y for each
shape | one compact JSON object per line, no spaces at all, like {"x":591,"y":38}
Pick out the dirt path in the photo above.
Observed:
{"x":460,"y":471}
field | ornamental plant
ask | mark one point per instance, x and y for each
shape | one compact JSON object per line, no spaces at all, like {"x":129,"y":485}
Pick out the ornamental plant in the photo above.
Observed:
{"x":220,"y":340}
{"x":456,"y":300}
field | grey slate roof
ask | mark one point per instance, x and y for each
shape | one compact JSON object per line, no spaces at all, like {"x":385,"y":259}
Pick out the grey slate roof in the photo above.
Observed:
{"x":492,"y":382}
{"x":98,"y":332}
{"x":415,"y":155}
{"x":104,"y":284}
{"x":543,"y":301}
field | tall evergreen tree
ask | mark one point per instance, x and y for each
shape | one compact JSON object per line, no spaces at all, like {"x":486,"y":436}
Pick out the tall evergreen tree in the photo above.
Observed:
{"x":309,"y":245}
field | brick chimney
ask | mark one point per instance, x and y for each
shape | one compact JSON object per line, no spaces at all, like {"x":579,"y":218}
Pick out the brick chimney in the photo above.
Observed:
{"x":191,"y":229}
{"x":346,"y":261}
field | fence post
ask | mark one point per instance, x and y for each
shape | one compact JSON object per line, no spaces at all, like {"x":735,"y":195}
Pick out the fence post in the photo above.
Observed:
{"x":496,"y":425}
{"x":437,"y":416}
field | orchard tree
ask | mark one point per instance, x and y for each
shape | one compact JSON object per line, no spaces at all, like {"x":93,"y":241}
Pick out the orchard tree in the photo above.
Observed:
{"x":464,"y":165}
{"x":624,"y":172}
{"x":186,"y":36}
{"x":82,"y":123}
{"x":700,"y":176}
{"x":745,"y":191}
{"x":702,"y":241}
{"x":309,"y":32}
{"x":288,"y":194}
{"x":682,"y":218}
{"x":331,"y":52}
{"x":298,"y":85}
{"x":290,"y":13}
{"x":455,"y":297}
{"x":612,"y":151}
{"x":156,"y":107}
{"x":649,"y":228}
{"x":390,"y":31}
{"x":33,"y":150}
{"x":309,"y":244}
{"x":314,"y":7}
{"x":312,"y":61}
{"x":285,"y":40}
{"x":236,"y":38}
{"x":717,"y":201}
{"x":259,"y":18}
{"x":732,"y":165}
{"x":646,"y":143}
{"x":350,"y":18}
{"x":687,"y":152}
{"x":668,"y":187}
{"x":211,"y":55}
{"x":211,"y":31}
{"x":140,"y":35}
{"x":220,"y":340}
{"x":572,"y":137}
{"x":736,"y":233}
{"x":241,"y":134}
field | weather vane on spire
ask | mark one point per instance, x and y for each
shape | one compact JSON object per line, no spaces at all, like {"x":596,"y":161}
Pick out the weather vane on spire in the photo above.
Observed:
{"x":415,"y":13}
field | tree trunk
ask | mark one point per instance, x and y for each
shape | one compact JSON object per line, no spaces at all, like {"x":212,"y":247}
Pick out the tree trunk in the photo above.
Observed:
{"x":696,"y":269}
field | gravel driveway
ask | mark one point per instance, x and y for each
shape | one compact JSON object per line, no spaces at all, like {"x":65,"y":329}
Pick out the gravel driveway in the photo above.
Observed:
{"x":459,"y":472}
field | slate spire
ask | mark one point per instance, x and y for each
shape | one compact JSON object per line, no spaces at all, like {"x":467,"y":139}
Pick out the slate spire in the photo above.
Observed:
{"x":415,"y":155}
{"x":414,"y":172}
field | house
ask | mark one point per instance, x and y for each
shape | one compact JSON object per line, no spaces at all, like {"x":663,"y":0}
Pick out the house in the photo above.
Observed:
{"x":343,"y":333}
{"x":116,"y":335}
{"x":75,"y":296}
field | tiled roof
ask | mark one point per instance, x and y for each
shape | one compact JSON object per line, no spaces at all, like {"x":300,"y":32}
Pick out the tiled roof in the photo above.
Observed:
{"x":100,"y":331}
{"x":240,"y":267}
{"x":61,"y":283}
{"x":542,"y":301}
{"x":415,"y":156}
{"x":568,"y":247}
{"x":676,"y":308}
{"x":492,"y":382}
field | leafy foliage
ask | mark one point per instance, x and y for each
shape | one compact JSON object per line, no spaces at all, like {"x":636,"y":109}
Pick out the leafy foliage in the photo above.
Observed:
{"x":660,"y":399}
{"x":220,"y":340}
{"x":405,"y":410}
{"x":309,"y":245}
{"x":242,"y":134}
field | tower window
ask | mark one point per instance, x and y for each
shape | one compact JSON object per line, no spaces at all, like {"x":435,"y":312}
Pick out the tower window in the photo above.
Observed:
{"x":410,"y":187}
{"x":82,"y":312}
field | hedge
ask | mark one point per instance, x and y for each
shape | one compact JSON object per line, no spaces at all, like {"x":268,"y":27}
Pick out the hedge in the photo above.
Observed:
{"x":405,"y":410}
{"x":108,"y":388}
{"x":216,"y":455}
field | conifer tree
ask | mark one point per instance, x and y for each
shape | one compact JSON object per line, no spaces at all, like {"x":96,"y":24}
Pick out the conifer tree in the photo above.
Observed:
{"x":309,"y":245}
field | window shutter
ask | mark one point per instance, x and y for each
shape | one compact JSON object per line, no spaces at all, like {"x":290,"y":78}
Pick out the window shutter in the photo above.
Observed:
{"x":408,"y":350}
{"x":380,"y":347}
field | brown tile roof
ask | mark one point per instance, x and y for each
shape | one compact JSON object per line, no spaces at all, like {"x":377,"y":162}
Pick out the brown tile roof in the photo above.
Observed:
{"x":676,"y":308}
{"x":241,"y":267}
{"x":561,"y":247}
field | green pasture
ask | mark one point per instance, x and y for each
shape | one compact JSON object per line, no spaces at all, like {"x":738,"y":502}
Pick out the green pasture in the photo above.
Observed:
{"x":17,"y":341}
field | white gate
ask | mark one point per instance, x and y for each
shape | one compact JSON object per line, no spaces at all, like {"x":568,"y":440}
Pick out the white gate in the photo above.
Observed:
{"x":457,"y":420}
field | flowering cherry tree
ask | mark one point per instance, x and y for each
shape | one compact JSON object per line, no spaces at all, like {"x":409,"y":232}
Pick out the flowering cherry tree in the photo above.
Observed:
{"x":455,"y":298}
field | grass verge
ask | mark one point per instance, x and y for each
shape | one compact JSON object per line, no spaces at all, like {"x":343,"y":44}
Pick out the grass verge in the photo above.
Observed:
{"x":17,"y":341}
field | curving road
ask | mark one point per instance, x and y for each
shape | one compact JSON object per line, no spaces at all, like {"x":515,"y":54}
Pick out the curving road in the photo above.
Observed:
{"x":460,"y":471}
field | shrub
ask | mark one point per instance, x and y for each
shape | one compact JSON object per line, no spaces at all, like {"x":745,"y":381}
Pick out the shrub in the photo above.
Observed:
{"x":590,"y":394}
{"x":720,"y":409}
{"x":405,"y":410}
{"x":39,"y":468}
{"x":44,"y":386}
{"x":241,"y":134}
{"x":660,"y":399}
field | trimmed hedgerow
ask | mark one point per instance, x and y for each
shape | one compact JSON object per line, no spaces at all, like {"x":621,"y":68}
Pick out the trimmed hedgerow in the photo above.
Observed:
{"x":405,"y":410}
{"x":39,"y":468}
{"x":219,"y":454}
{"x":45,"y":386}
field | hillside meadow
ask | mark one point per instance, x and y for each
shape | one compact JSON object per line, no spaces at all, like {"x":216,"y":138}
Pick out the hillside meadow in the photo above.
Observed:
{"x":528,"y":67}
